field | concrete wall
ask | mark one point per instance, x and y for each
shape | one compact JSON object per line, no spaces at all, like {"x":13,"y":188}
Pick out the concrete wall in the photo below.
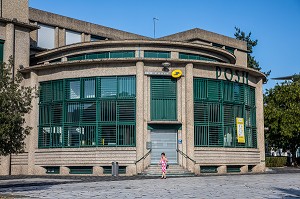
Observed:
{"x":17,"y":9}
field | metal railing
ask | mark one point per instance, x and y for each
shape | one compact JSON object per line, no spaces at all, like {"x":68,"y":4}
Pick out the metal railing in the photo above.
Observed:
{"x":185,"y":155}
{"x":144,"y":157}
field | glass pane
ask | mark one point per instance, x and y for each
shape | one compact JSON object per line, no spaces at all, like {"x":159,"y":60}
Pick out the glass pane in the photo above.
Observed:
{"x":89,"y":88}
{"x":72,"y":37}
{"x":74,"y":90}
{"x":46,"y":36}
{"x":72,"y":137}
{"x":109,"y":87}
{"x":73,"y":114}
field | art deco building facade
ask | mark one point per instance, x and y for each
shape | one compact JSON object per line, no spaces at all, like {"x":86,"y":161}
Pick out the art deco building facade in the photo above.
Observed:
{"x":107,"y":95}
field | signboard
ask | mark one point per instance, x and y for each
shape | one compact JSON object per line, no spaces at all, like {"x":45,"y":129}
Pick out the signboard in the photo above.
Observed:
{"x":176,"y":73}
{"x":158,"y":73}
{"x":180,"y":141}
{"x":240,"y":129}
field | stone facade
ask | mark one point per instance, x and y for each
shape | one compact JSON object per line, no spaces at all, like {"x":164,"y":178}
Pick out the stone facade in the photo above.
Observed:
{"x":21,"y":35}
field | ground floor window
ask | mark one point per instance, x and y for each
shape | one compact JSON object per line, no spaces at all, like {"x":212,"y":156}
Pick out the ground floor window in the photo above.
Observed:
{"x":87,"y":112}
{"x":217,"y":104}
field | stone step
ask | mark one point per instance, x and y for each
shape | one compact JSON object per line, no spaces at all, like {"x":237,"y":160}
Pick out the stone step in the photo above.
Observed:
{"x":173,"y":170}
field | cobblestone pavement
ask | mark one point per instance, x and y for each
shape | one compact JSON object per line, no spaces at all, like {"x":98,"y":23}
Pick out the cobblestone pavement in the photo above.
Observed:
{"x":285,"y":185}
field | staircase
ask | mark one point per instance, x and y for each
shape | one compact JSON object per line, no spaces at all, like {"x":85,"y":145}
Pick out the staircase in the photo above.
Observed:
{"x":173,"y":170}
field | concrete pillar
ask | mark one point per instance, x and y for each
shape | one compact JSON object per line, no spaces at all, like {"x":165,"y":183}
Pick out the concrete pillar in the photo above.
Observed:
{"x":189,"y":112}
{"x":61,"y":37}
{"x":222,"y":169}
{"x":87,"y":38}
{"x":9,"y":42}
{"x":182,"y":133}
{"x":82,"y":37}
{"x":139,"y":53}
{"x":32,"y":143}
{"x":244,"y":169}
{"x":174,"y":55}
{"x":260,"y":125}
{"x":98,"y":171}
{"x":140,"y":142}
{"x":56,"y":37}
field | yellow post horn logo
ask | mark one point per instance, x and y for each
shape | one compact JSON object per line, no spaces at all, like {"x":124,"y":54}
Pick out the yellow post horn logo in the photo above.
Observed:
{"x":176,"y":73}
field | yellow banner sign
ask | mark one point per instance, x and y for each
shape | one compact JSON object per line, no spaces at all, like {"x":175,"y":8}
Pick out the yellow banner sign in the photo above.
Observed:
{"x":240,"y":129}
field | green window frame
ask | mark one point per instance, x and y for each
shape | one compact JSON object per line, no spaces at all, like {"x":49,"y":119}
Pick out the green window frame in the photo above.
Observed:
{"x":217,"y":45}
{"x":1,"y":50}
{"x":157,"y":54}
{"x":230,"y":49}
{"x":163,"y":99}
{"x":80,"y":170}
{"x":88,"y":112}
{"x":197,"y":57}
{"x":217,"y":104}
{"x":52,"y":169}
{"x":102,"y":55}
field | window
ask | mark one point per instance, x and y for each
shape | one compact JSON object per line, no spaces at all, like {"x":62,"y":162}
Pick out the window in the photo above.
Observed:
{"x":217,"y":45}
{"x":87,"y":112}
{"x":46,"y":37}
{"x":74,"y":89}
{"x":163,"y":98}
{"x":230,"y":49}
{"x":197,"y":57}
{"x":72,"y":37}
{"x":89,"y":88}
{"x":217,"y":104}
{"x":157,"y":54}
{"x":102,"y":55}
{"x":97,"y":38}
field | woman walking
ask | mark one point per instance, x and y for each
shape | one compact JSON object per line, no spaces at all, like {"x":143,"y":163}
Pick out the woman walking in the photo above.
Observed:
{"x":163,"y":161}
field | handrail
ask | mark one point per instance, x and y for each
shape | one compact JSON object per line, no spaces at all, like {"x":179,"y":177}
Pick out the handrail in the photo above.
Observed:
{"x":142,"y":158}
{"x":185,"y":155}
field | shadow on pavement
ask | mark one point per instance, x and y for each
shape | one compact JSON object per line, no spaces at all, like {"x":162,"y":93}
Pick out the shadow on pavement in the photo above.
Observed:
{"x":290,"y":193}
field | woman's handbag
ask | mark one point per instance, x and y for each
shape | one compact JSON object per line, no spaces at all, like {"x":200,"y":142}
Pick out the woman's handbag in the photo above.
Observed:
{"x":167,"y":166}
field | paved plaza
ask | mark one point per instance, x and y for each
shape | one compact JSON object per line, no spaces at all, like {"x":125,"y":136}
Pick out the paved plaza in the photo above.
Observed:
{"x":229,"y":186}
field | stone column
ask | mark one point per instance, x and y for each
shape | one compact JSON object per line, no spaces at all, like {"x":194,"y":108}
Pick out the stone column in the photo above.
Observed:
{"x":56,"y":37}
{"x":140,"y":142}
{"x":189,"y":112}
{"x":9,"y":42}
{"x":32,"y":143}
{"x":61,"y":37}
{"x":260,"y":126}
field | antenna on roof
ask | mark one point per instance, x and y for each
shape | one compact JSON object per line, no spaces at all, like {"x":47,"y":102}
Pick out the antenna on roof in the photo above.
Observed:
{"x":154,"y":19}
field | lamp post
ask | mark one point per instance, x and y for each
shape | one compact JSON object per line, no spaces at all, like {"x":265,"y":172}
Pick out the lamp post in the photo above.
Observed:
{"x":154,"y":19}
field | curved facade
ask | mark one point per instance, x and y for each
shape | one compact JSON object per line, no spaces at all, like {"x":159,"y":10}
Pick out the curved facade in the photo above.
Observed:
{"x":115,"y":99}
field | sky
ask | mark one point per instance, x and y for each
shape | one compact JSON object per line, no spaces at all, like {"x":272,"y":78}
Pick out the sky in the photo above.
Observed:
{"x":274,"y":23}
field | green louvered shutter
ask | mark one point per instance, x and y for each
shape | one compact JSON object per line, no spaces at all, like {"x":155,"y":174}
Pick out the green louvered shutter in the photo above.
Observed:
{"x":163,"y":98}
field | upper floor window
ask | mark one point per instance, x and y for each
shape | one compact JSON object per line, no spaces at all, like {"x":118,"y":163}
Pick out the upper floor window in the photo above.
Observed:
{"x":46,"y":36}
{"x":97,"y":38}
{"x":157,"y":54}
{"x":72,"y":37}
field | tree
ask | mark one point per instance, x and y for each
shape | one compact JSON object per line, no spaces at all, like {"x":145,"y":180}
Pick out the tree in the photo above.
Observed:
{"x":282,"y":115}
{"x":15,"y":102}
{"x":251,"y":61}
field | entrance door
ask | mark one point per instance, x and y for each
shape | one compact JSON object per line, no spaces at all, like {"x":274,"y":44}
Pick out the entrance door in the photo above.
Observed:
{"x":164,"y":141}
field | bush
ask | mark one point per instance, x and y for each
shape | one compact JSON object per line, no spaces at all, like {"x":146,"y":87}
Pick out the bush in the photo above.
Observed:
{"x":276,"y":161}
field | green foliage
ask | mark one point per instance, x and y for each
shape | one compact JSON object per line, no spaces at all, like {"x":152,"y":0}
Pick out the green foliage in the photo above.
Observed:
{"x":15,"y":102}
{"x":282,"y":115}
{"x":251,"y":61}
{"x":276,"y":161}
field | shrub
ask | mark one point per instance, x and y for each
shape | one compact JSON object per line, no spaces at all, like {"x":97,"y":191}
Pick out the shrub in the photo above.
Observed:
{"x":276,"y":161}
